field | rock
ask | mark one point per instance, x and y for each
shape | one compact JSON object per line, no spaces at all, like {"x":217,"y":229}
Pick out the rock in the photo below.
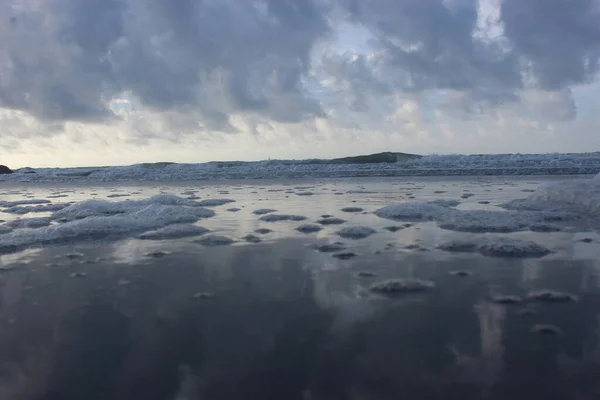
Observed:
{"x":5,"y":170}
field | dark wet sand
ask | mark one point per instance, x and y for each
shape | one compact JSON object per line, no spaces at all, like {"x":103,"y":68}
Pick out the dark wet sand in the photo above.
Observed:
{"x":281,"y":321}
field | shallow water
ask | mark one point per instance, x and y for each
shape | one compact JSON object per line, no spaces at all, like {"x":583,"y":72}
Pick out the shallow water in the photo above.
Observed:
{"x":172,"y":319}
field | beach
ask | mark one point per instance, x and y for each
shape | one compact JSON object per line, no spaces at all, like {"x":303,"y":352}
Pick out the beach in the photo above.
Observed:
{"x":433,"y":288}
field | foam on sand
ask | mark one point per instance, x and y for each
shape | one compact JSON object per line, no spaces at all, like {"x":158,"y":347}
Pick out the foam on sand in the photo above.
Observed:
{"x":475,"y":221}
{"x":214,"y":202}
{"x":282,"y":217}
{"x":346,"y":255}
{"x":215,"y":240}
{"x":263,"y":211}
{"x":497,"y":247}
{"x":97,"y":219}
{"x":252,"y":239}
{"x":22,"y":210}
{"x":330,"y":248}
{"x":23,"y":202}
{"x":413,"y":211}
{"x":309,"y":228}
{"x":577,"y":195}
{"x":331,"y":221}
{"x":90,"y":208}
{"x":29,"y":222}
{"x":352,"y":209}
{"x":356,"y":232}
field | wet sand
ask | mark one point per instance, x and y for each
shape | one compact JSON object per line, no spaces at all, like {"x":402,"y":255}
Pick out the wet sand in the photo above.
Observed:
{"x":128,"y":319}
{"x":281,"y":320}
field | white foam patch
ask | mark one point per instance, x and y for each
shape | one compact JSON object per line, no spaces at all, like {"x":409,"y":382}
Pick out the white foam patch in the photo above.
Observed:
{"x":252,"y":239}
{"x":504,"y":247}
{"x":413,"y":211}
{"x":282,"y":217}
{"x":263,"y":211}
{"x":330,"y":248}
{"x":309,"y":228}
{"x":116,"y":195}
{"x":486,"y":221}
{"x":331,"y":221}
{"x":214,"y":202}
{"x":497,"y":247}
{"x":175,"y":231}
{"x":352,"y":209}
{"x":215,"y":240}
{"x":29,"y":222}
{"x":356,"y":232}
{"x":23,"y":202}
{"x":578,"y":195}
{"x":446,"y":202}
{"x":475,"y":221}
{"x":95,"y":219}
{"x":22,"y":210}
{"x":89,"y":208}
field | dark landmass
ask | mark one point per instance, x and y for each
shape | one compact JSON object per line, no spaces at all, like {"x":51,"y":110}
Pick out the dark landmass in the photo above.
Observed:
{"x":5,"y":170}
{"x":378,"y":158}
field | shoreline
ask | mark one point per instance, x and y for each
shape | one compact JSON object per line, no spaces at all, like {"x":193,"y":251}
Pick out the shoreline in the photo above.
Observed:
{"x":278,"y":174}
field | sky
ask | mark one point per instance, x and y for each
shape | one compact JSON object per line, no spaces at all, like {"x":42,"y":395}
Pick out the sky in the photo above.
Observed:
{"x":117,"y":82}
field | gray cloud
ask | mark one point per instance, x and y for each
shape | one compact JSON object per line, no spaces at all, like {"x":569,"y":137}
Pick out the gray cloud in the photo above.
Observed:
{"x":428,"y":45}
{"x":65,"y":58}
{"x":205,"y":59}
{"x":560,"y":40}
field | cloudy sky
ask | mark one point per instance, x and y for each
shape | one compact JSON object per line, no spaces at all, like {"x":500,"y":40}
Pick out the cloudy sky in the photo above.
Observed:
{"x":101,"y":82}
